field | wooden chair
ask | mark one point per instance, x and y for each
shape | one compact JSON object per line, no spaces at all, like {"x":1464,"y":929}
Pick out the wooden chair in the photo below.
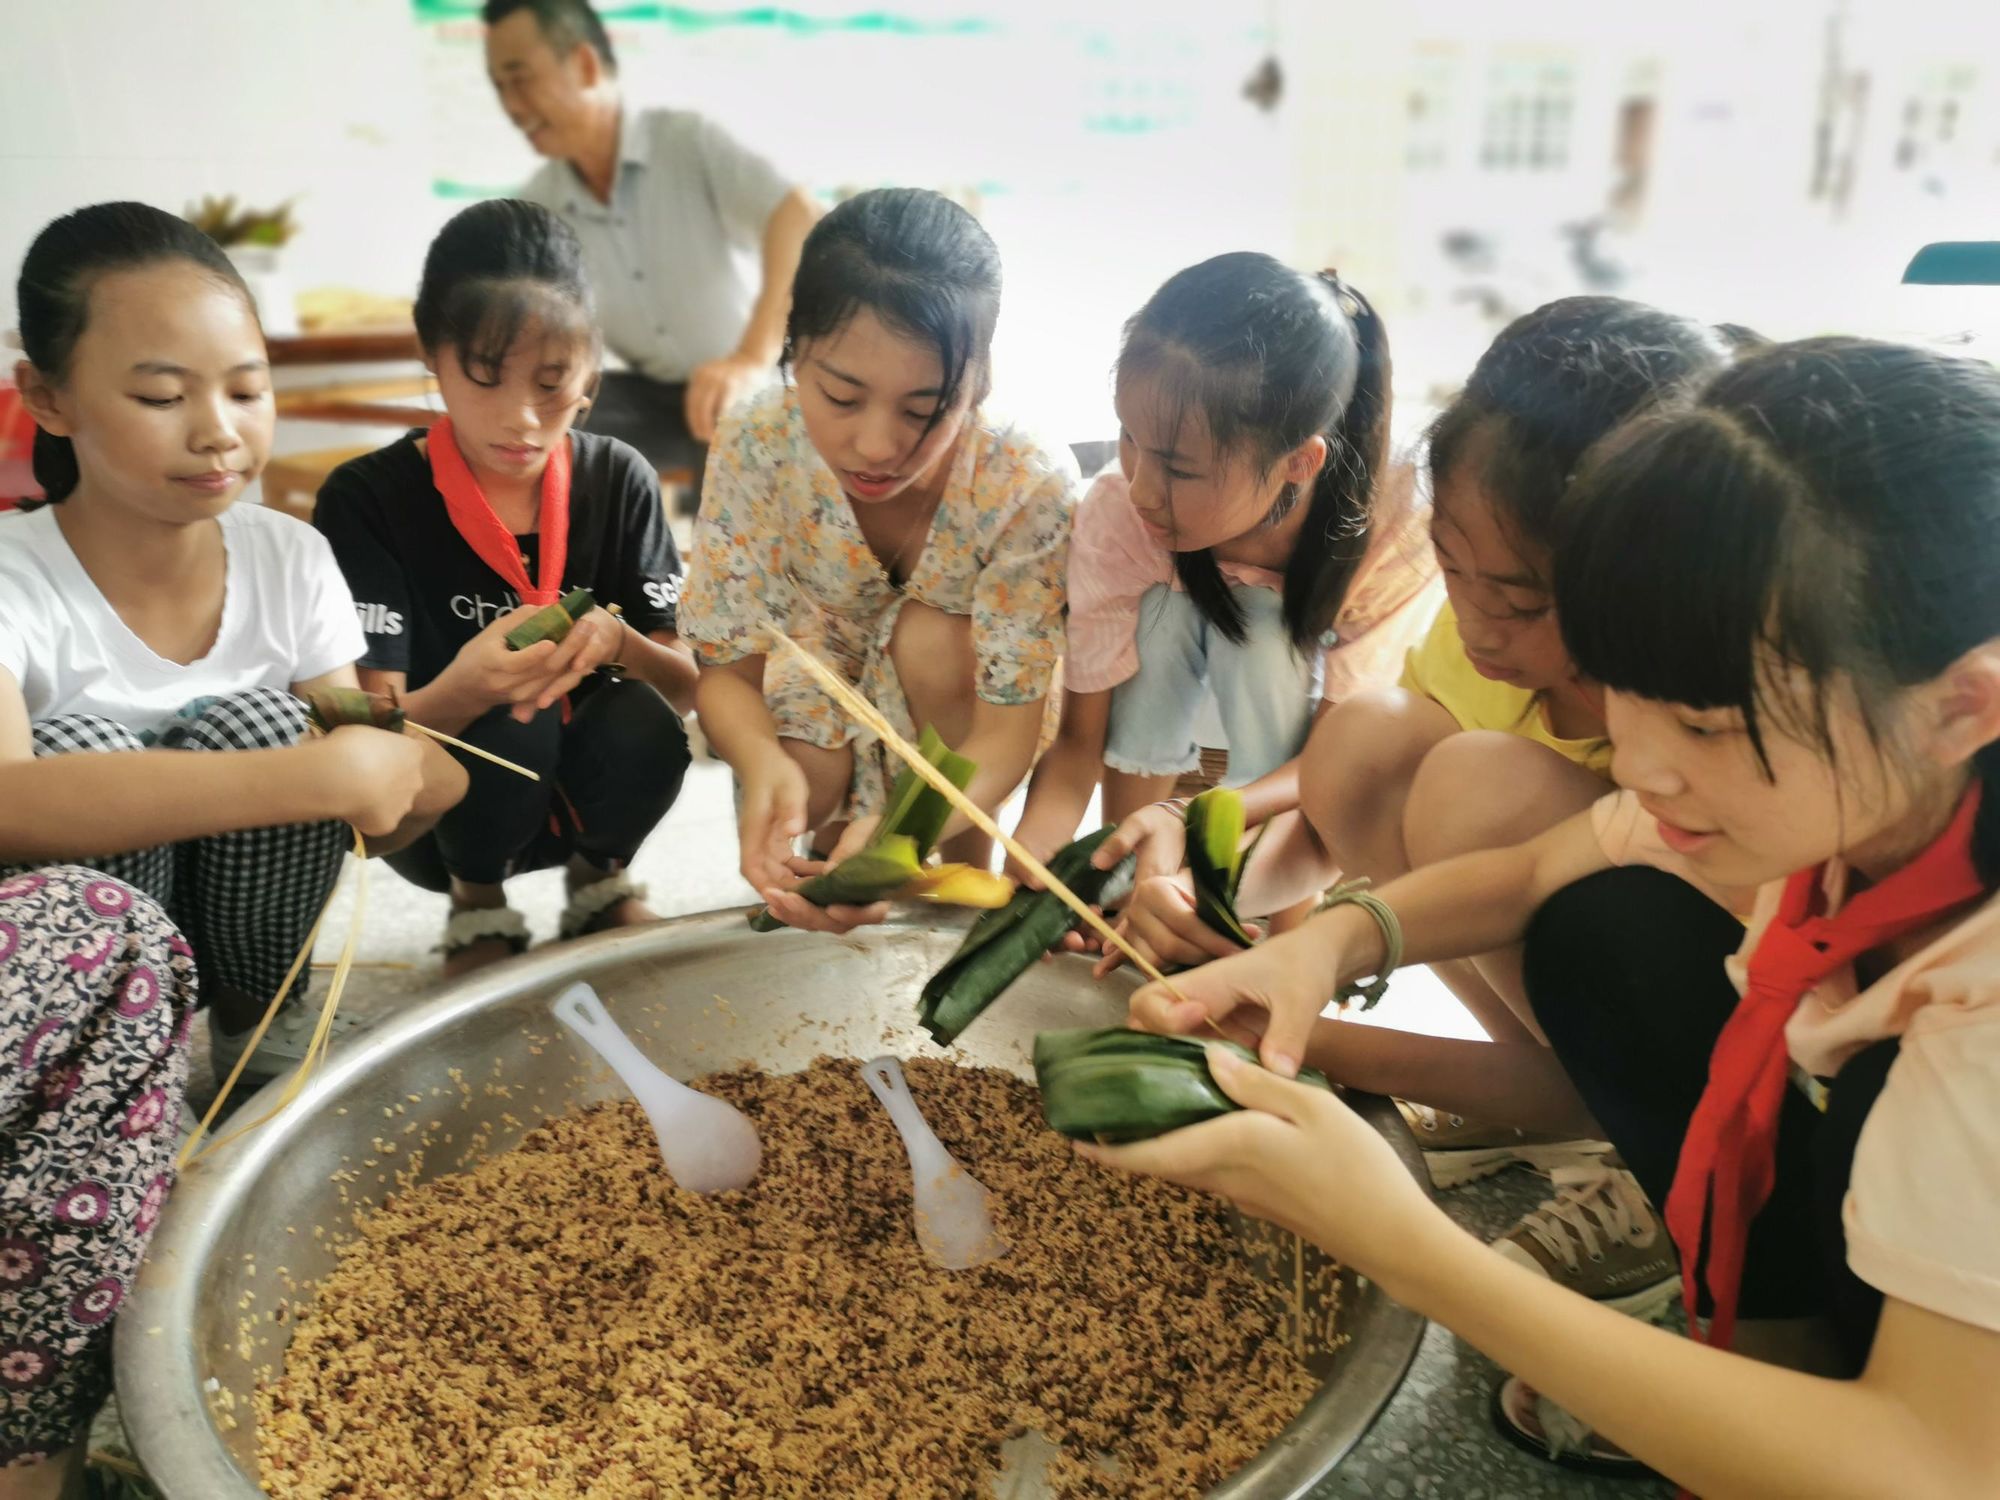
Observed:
{"x":292,"y":480}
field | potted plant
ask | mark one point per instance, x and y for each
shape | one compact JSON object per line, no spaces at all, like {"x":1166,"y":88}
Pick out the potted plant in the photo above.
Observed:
{"x":254,"y":240}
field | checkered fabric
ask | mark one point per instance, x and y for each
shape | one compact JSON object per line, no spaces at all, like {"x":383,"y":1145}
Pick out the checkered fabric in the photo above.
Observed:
{"x":246,"y":899}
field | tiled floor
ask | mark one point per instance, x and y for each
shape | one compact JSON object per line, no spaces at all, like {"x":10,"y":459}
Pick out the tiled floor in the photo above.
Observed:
{"x":1435,"y":1440}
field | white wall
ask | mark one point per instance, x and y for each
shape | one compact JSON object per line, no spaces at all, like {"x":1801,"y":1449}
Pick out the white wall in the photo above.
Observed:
{"x":266,"y":99}
{"x":333,"y":101}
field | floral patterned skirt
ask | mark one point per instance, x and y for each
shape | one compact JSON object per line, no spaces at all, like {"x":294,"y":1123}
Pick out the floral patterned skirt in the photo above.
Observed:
{"x":97,"y":995}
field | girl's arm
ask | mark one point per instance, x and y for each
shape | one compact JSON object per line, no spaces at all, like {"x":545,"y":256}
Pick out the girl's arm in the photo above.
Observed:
{"x":1158,"y":833}
{"x":660,"y":660}
{"x":443,"y":779}
{"x":1271,"y":995}
{"x":81,"y":806}
{"x":1001,"y":743}
{"x":1918,"y":1422}
{"x":1067,"y":775}
{"x":729,"y":700}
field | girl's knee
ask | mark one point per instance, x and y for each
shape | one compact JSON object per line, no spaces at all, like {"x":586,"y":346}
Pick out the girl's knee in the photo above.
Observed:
{"x":1486,"y":789}
{"x":1361,"y":756}
{"x":1600,"y":953}
{"x":634,"y":717}
{"x":73,"y":732}
{"x":828,"y":773}
{"x":255,"y":719}
{"x":934,"y":661}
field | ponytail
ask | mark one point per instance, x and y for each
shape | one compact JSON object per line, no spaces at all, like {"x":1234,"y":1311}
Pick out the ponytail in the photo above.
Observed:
{"x":1271,"y":358}
{"x":55,"y":468}
{"x":1340,"y":517}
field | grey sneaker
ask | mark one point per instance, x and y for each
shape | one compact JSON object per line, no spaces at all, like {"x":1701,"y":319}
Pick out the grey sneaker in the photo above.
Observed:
{"x":283,"y":1048}
{"x":1458,"y":1150}
{"x":1599,"y":1237}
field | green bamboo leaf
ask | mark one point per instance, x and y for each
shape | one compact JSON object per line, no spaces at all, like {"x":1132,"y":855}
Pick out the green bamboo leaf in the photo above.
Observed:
{"x":1113,"y":1084}
{"x":1002,"y":944}
{"x":1215,"y":859}
{"x":553,"y":621}
{"x":915,"y":814}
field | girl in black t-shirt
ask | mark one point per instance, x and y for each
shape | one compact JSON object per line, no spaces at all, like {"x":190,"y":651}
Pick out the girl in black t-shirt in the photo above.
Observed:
{"x":451,"y":538}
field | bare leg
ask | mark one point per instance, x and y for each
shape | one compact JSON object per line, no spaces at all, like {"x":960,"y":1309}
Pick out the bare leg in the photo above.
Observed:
{"x":1125,"y":793}
{"x":1485,"y":790}
{"x":934,"y":661}
{"x":1356,"y":773}
{"x":828,"y":774}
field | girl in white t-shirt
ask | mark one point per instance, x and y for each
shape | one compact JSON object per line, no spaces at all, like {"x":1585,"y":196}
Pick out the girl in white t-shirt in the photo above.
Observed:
{"x":1804,"y":697}
{"x":141,"y":615}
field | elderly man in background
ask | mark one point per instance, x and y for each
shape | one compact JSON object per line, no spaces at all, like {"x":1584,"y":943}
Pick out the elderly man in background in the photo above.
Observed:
{"x":668,"y":207}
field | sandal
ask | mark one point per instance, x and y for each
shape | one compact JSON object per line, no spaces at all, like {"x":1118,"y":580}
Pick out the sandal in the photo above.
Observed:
{"x":1530,"y":1421}
{"x":477,"y":924}
{"x":588,"y":904}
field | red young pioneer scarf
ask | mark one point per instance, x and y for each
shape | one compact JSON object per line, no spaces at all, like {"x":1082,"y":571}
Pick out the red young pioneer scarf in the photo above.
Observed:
{"x":1728,"y":1161}
{"x":487,"y":535}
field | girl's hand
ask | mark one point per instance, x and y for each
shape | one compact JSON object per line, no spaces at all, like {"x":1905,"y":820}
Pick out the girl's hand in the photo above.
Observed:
{"x":1157,"y":833}
{"x":1296,"y":1157}
{"x":367,"y":777}
{"x":592,"y":641}
{"x":1266,"y":997}
{"x":772,"y":816}
{"x":485,"y":674}
{"x":1160,"y":921}
{"x":795,"y":911}
{"x":1037,"y":842}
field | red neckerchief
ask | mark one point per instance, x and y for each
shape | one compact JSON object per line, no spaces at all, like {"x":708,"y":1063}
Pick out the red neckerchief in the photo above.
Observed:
{"x":1728,"y":1161}
{"x":487,"y":535}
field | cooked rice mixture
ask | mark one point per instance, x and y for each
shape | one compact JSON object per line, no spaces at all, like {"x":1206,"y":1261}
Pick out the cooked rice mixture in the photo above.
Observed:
{"x":562,"y":1321}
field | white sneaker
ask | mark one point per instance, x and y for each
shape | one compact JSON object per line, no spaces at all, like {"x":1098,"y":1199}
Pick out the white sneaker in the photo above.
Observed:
{"x":1600,"y":1238}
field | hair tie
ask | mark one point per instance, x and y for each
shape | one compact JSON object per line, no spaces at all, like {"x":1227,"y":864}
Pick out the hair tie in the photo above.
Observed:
{"x":1343,"y":295}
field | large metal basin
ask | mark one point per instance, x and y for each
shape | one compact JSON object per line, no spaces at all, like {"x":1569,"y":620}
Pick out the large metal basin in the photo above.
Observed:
{"x":697,"y":994}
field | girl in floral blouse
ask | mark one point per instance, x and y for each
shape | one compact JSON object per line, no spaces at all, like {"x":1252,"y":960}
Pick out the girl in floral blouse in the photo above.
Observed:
{"x":872,"y":511}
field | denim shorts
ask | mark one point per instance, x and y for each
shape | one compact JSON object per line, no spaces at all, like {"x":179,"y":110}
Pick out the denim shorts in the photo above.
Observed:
{"x":1264,"y":690}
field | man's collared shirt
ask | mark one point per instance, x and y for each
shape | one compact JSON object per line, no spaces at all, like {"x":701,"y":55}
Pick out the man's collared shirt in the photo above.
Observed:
{"x":674,"y":256}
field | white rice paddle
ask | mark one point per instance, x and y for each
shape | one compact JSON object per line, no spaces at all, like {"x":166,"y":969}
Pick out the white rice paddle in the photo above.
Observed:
{"x":710,"y":1146}
{"x":954,"y":1224}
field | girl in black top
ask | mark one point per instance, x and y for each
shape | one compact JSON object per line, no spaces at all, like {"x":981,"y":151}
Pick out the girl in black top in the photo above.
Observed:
{"x":451,"y":538}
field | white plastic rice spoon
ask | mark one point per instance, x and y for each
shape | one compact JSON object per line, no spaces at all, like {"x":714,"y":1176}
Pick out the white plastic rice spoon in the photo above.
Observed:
{"x":710,"y":1146}
{"x":954,"y":1224}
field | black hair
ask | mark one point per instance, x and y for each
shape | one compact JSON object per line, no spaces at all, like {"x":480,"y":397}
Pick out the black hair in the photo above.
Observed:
{"x":65,"y":261}
{"x":1831,"y":506}
{"x":1272,"y":357}
{"x":1555,"y":381}
{"x":920,"y":263}
{"x":1741,"y":338}
{"x":565,"y":25}
{"x":496,"y":269}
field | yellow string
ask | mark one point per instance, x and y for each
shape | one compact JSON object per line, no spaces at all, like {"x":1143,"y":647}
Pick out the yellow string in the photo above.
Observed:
{"x":316,"y":1049}
{"x":867,"y":714}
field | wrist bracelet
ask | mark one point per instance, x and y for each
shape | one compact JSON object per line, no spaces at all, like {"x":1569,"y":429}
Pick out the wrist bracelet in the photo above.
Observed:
{"x":1178,"y":804}
{"x":616,"y":666}
{"x":1356,"y":893}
